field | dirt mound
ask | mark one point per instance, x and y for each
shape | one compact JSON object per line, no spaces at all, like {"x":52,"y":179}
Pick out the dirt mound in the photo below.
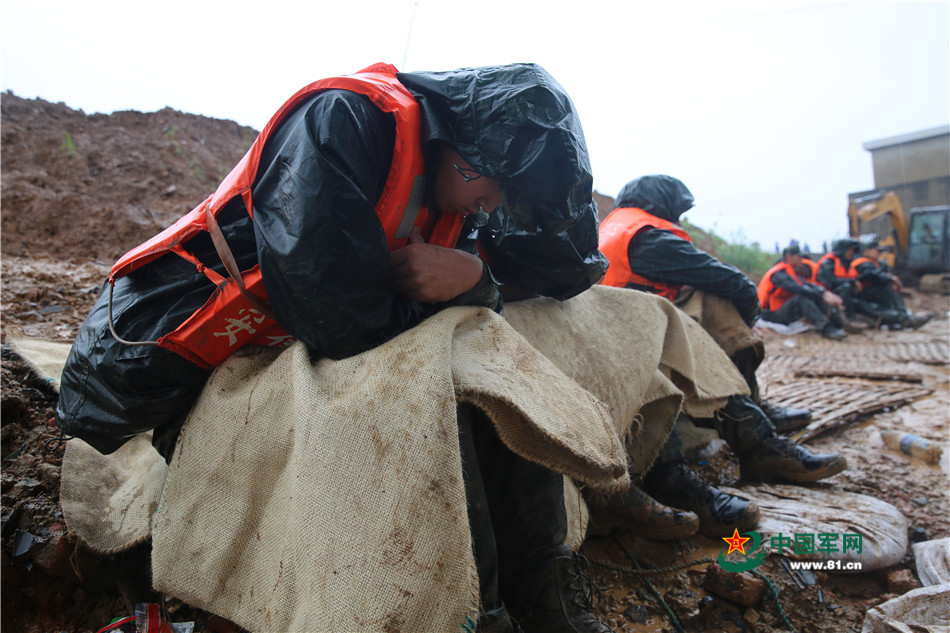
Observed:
{"x":91,"y":187}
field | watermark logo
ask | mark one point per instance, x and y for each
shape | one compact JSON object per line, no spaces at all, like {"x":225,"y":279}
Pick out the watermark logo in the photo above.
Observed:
{"x":737,"y":543}
{"x":752,"y":549}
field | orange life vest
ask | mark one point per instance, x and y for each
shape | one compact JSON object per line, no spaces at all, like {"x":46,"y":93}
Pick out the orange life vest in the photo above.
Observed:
{"x":772,"y":297}
{"x":616,"y":231}
{"x":840,"y":271}
{"x":237,"y":313}
{"x":813,"y":267}
{"x":863,"y":260}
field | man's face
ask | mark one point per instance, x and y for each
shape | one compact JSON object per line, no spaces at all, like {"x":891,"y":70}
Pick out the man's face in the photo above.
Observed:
{"x":793,"y":260}
{"x":459,"y":189}
{"x":873,"y":253}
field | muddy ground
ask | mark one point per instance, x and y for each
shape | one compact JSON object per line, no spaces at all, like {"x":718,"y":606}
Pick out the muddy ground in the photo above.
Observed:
{"x":78,"y":191}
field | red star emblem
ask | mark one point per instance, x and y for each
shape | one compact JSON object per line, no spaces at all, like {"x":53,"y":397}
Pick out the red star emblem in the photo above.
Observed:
{"x":736,"y":542}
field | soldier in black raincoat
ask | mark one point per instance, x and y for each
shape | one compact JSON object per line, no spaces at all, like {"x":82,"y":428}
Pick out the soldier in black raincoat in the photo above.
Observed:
{"x":879,"y":296}
{"x":504,"y":147}
{"x":649,"y":251}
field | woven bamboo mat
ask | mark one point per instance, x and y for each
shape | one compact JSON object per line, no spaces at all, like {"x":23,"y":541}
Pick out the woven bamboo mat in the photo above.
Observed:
{"x":842,"y":381}
{"x":929,"y":350}
{"x":837,"y":402}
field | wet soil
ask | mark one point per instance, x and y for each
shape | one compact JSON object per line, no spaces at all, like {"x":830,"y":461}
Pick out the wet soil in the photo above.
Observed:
{"x":78,"y":191}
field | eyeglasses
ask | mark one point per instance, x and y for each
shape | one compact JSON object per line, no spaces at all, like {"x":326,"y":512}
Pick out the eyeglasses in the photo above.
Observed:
{"x":467,"y":176}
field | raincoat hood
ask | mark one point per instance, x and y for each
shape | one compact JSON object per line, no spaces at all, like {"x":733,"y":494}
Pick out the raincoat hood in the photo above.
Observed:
{"x":516,"y":124}
{"x":841,"y":247}
{"x":662,"y":196}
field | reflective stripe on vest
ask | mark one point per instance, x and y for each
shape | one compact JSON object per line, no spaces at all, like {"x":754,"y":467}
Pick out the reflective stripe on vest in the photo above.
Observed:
{"x":616,"y":231}
{"x":229,"y":320}
{"x":772,"y":297}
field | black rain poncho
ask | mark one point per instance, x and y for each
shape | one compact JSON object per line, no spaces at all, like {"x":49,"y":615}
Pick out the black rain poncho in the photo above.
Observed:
{"x":660,"y":255}
{"x":323,"y":252}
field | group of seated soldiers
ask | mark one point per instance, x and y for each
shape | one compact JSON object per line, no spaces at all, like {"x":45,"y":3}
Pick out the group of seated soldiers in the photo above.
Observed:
{"x":842,"y":288}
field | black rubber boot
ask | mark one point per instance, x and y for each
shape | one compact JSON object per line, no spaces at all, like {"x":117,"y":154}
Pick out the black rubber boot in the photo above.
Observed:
{"x":551,"y":592}
{"x":641,"y":514}
{"x":914,"y":321}
{"x":777,"y":459}
{"x":834,"y":333}
{"x":720,"y":513}
{"x":785,"y":419}
{"x":497,"y":621}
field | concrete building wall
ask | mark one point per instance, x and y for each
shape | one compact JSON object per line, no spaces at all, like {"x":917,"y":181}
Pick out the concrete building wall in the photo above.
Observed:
{"x":925,"y":159}
{"x":916,"y":166}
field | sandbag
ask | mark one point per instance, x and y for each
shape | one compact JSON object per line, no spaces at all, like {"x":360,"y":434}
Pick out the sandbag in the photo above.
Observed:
{"x":933,"y":561}
{"x":922,"y":610}
{"x":790,"y":510}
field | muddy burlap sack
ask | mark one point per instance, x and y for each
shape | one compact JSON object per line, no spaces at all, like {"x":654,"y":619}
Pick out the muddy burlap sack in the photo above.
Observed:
{"x":109,"y":500}
{"x":722,"y":321}
{"x":330,"y":496}
{"x":637,"y":353}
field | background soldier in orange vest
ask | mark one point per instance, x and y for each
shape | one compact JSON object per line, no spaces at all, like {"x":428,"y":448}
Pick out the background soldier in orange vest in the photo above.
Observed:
{"x":334,"y":282}
{"x":786,"y":297}
{"x":836,"y":274}
{"x":648,"y":250}
{"x":879,"y":296}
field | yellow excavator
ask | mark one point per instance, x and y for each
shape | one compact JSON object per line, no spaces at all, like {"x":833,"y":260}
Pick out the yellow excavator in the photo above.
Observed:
{"x":918,"y":239}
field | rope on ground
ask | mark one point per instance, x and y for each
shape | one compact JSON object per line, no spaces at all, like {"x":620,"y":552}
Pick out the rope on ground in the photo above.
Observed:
{"x":778,"y":603}
{"x":644,"y":576}
{"x":644,"y":573}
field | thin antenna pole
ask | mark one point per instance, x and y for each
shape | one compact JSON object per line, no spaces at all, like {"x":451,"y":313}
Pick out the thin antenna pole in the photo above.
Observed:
{"x":412,"y":21}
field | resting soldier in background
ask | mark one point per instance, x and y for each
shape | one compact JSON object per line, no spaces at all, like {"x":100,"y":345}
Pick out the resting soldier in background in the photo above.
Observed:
{"x":836,"y":274}
{"x":879,"y":292}
{"x":649,"y":251}
{"x":785,"y":297}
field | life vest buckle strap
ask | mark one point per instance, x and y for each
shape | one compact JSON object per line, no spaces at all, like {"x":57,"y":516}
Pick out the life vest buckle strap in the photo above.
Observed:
{"x":230,"y":265}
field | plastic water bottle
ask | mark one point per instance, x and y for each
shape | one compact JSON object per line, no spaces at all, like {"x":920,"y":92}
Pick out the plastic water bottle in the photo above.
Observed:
{"x":910,"y":444}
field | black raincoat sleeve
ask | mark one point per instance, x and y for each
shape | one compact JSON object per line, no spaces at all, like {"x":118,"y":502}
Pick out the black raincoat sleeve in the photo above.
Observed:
{"x":873,"y":276}
{"x":321,"y":247}
{"x":783,"y":280}
{"x":558,"y":265}
{"x":664,"y":257}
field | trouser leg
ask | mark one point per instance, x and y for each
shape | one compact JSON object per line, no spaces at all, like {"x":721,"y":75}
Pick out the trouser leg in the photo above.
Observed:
{"x":672,"y":450}
{"x":846,"y":292}
{"x":515,"y":506}
{"x":747,"y":361}
{"x":742,"y":424}
{"x":479,"y":517}
{"x":540,"y":579}
{"x":800,"y":307}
